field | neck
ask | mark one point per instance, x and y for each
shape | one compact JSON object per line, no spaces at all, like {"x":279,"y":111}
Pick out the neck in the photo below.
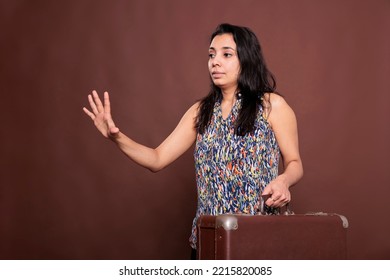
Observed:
{"x":229,"y":95}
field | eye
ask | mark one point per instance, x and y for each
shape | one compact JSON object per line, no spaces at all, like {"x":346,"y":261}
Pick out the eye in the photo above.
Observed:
{"x":211,"y":55}
{"x":227,"y":54}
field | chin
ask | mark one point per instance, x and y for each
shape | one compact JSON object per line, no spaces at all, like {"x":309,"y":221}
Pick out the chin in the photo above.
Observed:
{"x":218,"y":83}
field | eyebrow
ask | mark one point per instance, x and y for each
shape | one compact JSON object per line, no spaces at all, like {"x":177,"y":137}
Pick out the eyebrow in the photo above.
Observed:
{"x":224,"y":48}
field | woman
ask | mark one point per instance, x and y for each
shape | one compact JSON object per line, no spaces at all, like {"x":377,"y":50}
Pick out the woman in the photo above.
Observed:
{"x":240,"y":128}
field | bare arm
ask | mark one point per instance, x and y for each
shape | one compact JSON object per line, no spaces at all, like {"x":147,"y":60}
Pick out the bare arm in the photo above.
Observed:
{"x":179,"y":141}
{"x":284,"y":124}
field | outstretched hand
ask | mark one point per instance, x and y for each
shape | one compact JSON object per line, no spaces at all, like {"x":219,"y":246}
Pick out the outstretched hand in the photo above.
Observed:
{"x":101,"y":115}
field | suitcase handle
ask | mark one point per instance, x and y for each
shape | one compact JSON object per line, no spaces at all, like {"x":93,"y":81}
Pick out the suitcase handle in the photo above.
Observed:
{"x":284,"y":210}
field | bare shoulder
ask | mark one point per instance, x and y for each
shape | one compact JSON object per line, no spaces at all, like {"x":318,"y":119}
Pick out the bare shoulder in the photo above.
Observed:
{"x":195,"y":107}
{"x":193,"y":110}
{"x":271,"y":102}
{"x":275,"y":100}
{"x":279,"y":109}
{"x":191,"y":114}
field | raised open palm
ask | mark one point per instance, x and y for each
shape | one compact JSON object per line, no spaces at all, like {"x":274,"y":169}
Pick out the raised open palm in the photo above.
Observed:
{"x":101,"y":115}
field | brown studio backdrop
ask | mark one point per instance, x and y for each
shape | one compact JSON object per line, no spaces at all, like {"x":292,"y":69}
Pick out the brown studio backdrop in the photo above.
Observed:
{"x":67,"y":193}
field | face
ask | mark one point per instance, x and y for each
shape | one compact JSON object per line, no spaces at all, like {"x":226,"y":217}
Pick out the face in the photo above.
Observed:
{"x":224,"y":66}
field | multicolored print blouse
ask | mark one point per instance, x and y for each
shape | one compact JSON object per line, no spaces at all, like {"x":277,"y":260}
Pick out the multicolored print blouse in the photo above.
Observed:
{"x":232,"y":170}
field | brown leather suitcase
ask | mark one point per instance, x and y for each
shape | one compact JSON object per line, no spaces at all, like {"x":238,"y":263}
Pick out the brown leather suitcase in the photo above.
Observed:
{"x":311,"y":236}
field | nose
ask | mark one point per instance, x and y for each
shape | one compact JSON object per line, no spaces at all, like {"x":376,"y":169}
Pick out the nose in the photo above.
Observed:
{"x":215,"y":62}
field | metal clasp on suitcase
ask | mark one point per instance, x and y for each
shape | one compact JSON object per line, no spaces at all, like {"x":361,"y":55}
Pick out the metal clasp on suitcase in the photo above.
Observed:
{"x":284,"y":210}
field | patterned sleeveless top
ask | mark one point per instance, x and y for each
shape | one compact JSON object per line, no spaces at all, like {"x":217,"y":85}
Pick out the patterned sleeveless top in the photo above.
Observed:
{"x":232,"y":170}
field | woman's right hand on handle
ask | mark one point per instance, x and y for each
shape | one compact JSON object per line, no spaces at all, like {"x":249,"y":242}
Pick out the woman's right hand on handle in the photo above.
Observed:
{"x":101,"y":115}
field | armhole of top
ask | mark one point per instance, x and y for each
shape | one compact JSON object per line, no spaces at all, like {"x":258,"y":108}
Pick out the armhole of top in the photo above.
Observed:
{"x":266,"y":104}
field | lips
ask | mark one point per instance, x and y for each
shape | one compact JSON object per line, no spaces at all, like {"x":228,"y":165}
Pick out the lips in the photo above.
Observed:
{"x":217,"y":74}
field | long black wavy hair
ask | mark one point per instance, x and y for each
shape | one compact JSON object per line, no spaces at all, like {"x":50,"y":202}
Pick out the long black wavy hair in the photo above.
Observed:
{"x":253,"y":82}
